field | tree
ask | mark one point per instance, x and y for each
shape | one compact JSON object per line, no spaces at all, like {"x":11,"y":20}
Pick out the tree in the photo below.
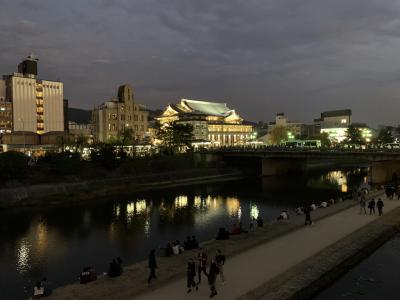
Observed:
{"x":126,"y":137}
{"x":324,"y":138}
{"x":278,"y":135}
{"x":353,"y":135}
{"x":385,"y":136}
{"x":175,"y":136}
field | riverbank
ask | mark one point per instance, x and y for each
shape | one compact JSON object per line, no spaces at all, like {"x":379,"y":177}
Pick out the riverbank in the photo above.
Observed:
{"x":133,"y":282}
{"x":77,"y":192}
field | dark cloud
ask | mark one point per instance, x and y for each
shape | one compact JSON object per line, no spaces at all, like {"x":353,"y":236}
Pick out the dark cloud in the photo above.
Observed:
{"x":300,"y":57}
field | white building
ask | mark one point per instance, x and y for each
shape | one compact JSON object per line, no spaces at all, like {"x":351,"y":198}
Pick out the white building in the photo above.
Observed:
{"x":334,"y":123}
{"x":37,"y":105}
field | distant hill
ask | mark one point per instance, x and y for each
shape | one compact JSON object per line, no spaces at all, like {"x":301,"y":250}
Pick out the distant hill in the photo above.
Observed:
{"x":80,"y":116}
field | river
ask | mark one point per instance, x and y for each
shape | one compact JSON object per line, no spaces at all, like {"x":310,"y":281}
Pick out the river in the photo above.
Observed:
{"x":375,"y":278}
{"x":56,"y":242}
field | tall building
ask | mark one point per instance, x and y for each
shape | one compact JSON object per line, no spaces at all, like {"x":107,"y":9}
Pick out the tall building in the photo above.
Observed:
{"x":37,"y":105}
{"x":212,"y":122}
{"x":117,"y":114}
{"x":294,"y":128}
{"x":5,"y":110}
{"x":334,"y":123}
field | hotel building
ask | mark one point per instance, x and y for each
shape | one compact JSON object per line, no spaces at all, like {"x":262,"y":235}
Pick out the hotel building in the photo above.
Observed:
{"x":37,"y":105}
{"x":117,"y":114}
{"x":212,"y":122}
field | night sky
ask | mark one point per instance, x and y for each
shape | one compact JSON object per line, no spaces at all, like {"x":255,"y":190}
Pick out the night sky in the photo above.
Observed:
{"x":300,"y":57}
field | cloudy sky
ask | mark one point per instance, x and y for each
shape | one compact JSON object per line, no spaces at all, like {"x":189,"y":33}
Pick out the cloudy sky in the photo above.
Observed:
{"x":300,"y":57}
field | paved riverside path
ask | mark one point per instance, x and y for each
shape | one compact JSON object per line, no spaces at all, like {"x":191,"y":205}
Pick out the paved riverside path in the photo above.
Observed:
{"x":254,"y":267}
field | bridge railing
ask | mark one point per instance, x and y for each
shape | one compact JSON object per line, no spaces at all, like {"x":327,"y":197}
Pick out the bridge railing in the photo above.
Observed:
{"x":284,"y":149}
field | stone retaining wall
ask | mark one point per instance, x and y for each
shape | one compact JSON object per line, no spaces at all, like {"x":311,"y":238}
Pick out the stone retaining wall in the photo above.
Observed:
{"x":69,"y":192}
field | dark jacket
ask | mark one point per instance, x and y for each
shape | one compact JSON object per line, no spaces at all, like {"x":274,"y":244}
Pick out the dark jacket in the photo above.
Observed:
{"x":380,"y":204}
{"x":152,"y":261}
{"x":212,"y":275}
{"x":191,"y":270}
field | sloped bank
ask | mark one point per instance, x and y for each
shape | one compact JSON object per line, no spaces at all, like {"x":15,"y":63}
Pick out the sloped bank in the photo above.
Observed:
{"x":70,"y":192}
{"x":307,"y":279}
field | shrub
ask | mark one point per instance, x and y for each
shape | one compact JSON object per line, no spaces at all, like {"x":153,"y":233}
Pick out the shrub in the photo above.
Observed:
{"x":13,"y":165}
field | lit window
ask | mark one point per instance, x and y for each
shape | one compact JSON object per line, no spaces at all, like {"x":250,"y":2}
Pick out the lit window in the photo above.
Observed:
{"x":343,"y":121}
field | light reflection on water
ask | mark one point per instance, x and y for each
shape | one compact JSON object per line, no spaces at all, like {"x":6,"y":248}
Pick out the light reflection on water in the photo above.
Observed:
{"x":57,"y":242}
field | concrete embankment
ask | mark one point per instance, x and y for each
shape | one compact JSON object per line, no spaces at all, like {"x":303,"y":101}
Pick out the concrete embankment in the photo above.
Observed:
{"x":307,"y":279}
{"x":133,"y":284}
{"x":74,"y":192}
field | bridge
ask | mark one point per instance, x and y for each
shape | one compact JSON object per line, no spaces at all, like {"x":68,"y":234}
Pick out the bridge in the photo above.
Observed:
{"x":280,"y":161}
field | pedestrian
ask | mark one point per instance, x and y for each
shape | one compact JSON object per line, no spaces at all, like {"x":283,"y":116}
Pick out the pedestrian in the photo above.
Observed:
{"x":362,"y":204}
{"x":202,"y":264}
{"x":307,"y":211}
{"x":191,"y":274}
{"x":220,"y":260}
{"x":152,"y":265}
{"x":371,"y":206}
{"x":212,"y":277}
{"x":380,"y":206}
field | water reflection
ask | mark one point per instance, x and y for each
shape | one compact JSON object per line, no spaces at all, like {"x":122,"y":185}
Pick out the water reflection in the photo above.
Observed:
{"x":57,"y":242}
{"x":23,"y":250}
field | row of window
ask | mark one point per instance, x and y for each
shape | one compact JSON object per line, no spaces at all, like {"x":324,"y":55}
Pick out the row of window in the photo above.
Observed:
{"x":49,"y":86}
{"x":135,"y":117}
{"x":113,"y":127}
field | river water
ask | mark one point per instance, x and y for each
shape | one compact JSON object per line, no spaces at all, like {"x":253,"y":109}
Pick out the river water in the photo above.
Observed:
{"x":57,"y":242}
{"x":375,"y":278}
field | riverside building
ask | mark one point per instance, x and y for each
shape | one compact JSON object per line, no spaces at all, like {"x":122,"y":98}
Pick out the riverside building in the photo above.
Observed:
{"x":36,"y":105}
{"x":5,"y":110}
{"x":214,"y":123}
{"x":334,"y":123}
{"x":113,"y":116}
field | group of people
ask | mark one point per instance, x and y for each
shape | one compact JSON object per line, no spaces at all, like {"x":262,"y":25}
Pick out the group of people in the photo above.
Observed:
{"x":176,"y":248}
{"x":204,"y":268}
{"x":216,"y":268}
{"x":371,"y":206}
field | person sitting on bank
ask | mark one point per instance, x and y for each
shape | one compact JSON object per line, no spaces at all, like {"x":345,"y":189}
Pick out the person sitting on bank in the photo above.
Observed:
{"x":177,"y":248}
{"x":168,"y":250}
{"x":313,"y":207}
{"x":187,"y":244}
{"x":299,"y":210}
{"x":120,"y":266}
{"x":88,"y":274}
{"x":38,"y":290}
{"x":114,"y":269}
{"x":323,"y":204}
{"x":194,"y":243}
{"x":283,"y":215}
{"x":223,"y":234}
{"x":235,"y":230}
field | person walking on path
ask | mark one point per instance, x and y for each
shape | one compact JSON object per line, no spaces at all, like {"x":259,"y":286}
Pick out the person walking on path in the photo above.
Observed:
{"x":371,"y":206}
{"x":220,"y":260}
{"x":212,"y":277}
{"x":152,"y":265}
{"x":307,"y":211}
{"x":380,"y":206}
{"x":362,"y":205}
{"x":202,"y":261}
{"x":191,"y":274}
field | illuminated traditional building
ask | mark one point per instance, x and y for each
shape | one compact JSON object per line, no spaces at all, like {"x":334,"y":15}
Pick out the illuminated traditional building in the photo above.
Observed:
{"x":334,"y":123}
{"x":212,"y":122}
{"x":112,"y":117}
